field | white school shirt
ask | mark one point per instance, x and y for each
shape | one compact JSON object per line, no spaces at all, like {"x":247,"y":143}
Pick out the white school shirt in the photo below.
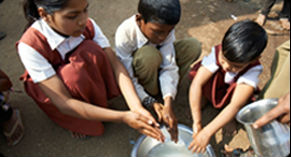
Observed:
{"x":37,"y":66}
{"x":251,"y":77}
{"x":129,"y":38}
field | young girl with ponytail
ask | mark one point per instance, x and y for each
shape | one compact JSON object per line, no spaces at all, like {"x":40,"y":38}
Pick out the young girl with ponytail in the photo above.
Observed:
{"x":71,"y":71}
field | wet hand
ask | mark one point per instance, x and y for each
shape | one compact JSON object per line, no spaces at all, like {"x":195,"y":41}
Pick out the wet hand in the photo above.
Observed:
{"x":169,"y":119}
{"x":158,"y":107}
{"x":199,"y":142}
{"x":143,"y":124}
{"x":173,"y":132}
{"x":147,"y":114}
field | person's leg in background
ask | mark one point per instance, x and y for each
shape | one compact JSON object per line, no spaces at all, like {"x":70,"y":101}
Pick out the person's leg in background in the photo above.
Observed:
{"x":267,"y":6}
{"x":279,"y":83}
{"x":285,"y":15}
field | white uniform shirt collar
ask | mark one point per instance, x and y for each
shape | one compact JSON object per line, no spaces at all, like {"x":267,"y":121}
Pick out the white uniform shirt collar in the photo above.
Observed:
{"x":53,"y":38}
{"x":56,"y":41}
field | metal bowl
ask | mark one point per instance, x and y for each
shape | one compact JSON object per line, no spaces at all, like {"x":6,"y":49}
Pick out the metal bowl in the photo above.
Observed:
{"x":147,"y":146}
{"x":273,"y":139}
{"x":252,"y":112}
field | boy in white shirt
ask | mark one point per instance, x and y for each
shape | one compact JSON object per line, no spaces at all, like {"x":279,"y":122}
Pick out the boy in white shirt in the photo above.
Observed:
{"x":145,"y":43}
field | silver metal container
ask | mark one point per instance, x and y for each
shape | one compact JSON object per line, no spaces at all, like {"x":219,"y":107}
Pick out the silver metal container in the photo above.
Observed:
{"x":149,"y":147}
{"x":272,"y":139}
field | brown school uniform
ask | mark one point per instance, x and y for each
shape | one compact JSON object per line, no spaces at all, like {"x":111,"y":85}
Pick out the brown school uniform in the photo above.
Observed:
{"x":86,"y":72}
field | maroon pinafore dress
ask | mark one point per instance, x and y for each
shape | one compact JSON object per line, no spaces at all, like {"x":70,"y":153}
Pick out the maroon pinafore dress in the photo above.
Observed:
{"x":216,"y":90}
{"x":86,"y":72}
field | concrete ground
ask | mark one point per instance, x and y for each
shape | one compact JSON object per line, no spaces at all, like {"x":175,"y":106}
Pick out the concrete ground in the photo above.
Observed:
{"x":206,"y":20}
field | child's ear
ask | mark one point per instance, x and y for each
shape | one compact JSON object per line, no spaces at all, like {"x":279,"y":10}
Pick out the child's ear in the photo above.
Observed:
{"x":43,"y":14}
{"x":138,"y":17}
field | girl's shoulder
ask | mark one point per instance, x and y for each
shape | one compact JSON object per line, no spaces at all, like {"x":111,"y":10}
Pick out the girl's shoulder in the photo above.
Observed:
{"x":210,"y":62}
{"x":34,"y":38}
{"x":34,"y":34}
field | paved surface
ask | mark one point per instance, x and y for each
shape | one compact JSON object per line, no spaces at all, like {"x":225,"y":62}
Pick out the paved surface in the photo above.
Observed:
{"x":206,"y":20}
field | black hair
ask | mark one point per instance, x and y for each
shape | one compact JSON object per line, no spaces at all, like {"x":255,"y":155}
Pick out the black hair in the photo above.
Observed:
{"x":50,"y":6}
{"x":160,"y":11}
{"x":244,"y":41}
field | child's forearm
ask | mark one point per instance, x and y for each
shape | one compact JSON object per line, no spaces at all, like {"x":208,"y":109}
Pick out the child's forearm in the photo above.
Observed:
{"x":239,"y":98}
{"x":124,"y":81}
{"x":196,"y":113}
{"x":224,"y":117}
{"x":195,"y":95}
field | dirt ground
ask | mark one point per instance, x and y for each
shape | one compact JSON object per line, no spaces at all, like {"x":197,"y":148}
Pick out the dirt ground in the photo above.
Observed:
{"x":206,"y":20}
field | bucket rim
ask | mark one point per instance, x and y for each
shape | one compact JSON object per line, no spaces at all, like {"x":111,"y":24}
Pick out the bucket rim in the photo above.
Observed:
{"x":272,"y":101}
{"x":185,"y":128}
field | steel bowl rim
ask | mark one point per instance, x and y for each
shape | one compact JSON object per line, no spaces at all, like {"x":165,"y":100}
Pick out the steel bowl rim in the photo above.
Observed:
{"x":209,"y":149}
{"x":251,"y":105}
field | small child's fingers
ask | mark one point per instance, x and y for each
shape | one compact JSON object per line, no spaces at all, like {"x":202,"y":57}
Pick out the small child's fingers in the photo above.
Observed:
{"x":172,"y":123}
{"x":169,"y":121}
{"x":158,"y":109}
{"x":175,"y":136}
{"x":191,"y":145}
{"x":198,"y":150}
{"x":152,"y":119}
{"x":151,"y":134}
{"x":194,"y":149}
{"x":160,"y":116}
{"x":148,"y":129}
{"x":203,"y":150}
{"x":153,"y":122}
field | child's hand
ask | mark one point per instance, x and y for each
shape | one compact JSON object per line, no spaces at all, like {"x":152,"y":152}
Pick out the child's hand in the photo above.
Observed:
{"x":173,"y":132}
{"x":199,"y":142}
{"x":143,"y":124}
{"x":170,"y":121}
{"x":147,"y":114}
{"x":159,"y":110}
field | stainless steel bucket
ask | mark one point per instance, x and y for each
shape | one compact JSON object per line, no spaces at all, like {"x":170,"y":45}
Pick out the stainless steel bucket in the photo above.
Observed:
{"x":272,"y":139}
{"x":149,"y":147}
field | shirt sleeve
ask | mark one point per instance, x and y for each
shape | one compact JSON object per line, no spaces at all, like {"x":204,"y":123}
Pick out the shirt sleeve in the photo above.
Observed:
{"x":209,"y":62}
{"x":169,"y":76}
{"x":36,"y":65}
{"x":124,"y":50}
{"x":251,"y":77}
{"x":99,"y":37}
